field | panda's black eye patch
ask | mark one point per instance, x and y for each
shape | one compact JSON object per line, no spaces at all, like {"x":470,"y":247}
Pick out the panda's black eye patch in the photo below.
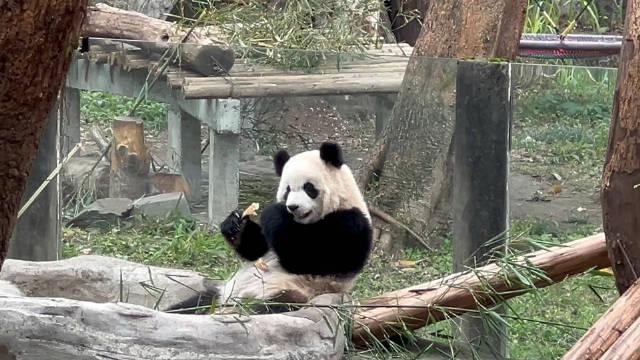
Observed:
{"x":311,"y":190}
{"x":286,"y":193}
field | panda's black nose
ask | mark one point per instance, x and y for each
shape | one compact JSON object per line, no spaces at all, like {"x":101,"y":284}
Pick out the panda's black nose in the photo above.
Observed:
{"x":292,"y":207}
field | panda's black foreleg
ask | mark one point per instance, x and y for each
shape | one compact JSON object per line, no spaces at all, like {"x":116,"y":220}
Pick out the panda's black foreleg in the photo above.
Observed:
{"x":244,"y":235}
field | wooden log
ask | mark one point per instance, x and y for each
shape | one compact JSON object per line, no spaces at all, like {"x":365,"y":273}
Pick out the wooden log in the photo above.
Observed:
{"x":199,"y":50}
{"x":105,"y":279}
{"x":609,"y":329}
{"x":302,"y":85}
{"x":62,"y":329}
{"x":628,"y":345}
{"x":620,"y":197}
{"x":423,"y":304}
{"x":130,"y":159}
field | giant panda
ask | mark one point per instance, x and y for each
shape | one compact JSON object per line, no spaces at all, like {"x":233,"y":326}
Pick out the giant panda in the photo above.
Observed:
{"x":314,"y":239}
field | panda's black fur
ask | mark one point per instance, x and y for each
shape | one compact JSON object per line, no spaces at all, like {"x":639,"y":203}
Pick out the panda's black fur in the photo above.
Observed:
{"x":337,"y":245}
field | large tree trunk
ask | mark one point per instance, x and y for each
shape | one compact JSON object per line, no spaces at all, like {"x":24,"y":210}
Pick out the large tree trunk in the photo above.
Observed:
{"x":37,"y":38}
{"x":620,"y":198}
{"x":416,"y":141}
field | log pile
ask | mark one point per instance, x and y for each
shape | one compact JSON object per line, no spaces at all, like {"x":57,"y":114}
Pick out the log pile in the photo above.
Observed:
{"x":202,"y":50}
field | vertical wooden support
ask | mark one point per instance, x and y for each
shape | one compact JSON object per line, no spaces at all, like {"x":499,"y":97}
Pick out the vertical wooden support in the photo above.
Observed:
{"x":481,"y":168}
{"x":36,"y":236}
{"x":224,"y":158}
{"x":70,"y":122}
{"x":184,"y":149}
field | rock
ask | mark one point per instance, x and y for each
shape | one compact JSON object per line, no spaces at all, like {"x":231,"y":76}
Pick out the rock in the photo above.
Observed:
{"x":162,"y":205}
{"x":103,"y":213}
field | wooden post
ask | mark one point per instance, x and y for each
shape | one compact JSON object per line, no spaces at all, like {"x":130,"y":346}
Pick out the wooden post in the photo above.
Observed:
{"x":130,"y":159}
{"x":37,"y":234}
{"x":620,"y":197}
{"x":610,"y":328}
{"x":481,"y":167}
{"x":70,"y":121}
{"x":224,"y":158}
{"x":184,"y":149}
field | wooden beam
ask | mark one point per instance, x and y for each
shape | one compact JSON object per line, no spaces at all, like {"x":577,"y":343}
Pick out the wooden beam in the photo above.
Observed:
{"x":302,"y":85}
{"x":481,"y":170}
{"x":417,"y":306}
{"x":609,"y":329}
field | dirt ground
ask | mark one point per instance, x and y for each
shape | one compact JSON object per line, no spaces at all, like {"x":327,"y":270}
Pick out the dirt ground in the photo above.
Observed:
{"x":303,"y":123}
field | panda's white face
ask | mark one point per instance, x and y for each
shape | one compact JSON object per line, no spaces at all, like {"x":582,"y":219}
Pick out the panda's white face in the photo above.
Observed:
{"x":315,"y":183}
{"x":301,"y":188}
{"x":304,"y":202}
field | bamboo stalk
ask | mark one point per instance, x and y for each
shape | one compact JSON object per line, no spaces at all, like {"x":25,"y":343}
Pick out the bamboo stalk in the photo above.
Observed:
{"x":46,"y":182}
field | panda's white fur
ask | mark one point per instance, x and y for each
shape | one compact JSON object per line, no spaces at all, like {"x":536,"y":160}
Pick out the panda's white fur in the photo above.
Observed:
{"x":338,"y":203}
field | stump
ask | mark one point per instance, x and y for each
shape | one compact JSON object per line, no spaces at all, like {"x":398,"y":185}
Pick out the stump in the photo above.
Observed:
{"x":130,"y":160}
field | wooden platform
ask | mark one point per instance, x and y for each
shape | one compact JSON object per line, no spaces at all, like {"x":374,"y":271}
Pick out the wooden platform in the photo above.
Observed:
{"x":376,"y":71}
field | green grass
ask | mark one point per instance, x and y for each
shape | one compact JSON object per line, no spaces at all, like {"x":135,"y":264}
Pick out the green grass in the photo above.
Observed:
{"x":101,"y":109}
{"x":561,"y":124}
{"x":176,"y":243}
{"x":184,"y":244}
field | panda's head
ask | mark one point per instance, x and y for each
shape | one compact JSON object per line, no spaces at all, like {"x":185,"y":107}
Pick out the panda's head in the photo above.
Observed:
{"x":315,"y":183}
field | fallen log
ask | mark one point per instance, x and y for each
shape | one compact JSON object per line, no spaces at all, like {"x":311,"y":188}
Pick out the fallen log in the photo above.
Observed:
{"x":610,"y":329}
{"x":104,"y":279}
{"x":201,"y":50}
{"x":46,"y":328}
{"x":385,"y":316}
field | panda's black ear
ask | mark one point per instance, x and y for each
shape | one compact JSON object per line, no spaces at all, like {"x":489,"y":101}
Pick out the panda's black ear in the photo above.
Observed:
{"x":331,"y":153}
{"x":279,"y":159}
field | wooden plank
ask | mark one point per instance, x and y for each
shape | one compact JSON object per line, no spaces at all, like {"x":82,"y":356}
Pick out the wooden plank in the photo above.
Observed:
{"x":241,"y":87}
{"x":480,"y":196}
{"x":36,"y":236}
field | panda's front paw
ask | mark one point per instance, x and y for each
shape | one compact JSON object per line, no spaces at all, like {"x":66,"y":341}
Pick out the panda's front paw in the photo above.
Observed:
{"x":230,"y":227}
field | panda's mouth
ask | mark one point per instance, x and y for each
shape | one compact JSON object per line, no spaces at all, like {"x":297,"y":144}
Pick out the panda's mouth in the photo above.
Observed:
{"x":305,"y":215}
